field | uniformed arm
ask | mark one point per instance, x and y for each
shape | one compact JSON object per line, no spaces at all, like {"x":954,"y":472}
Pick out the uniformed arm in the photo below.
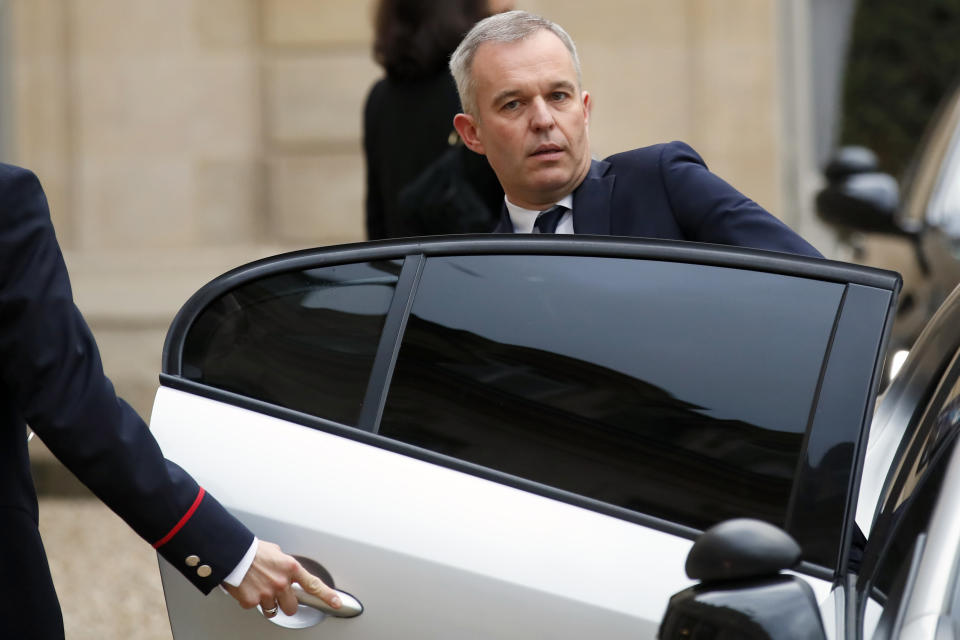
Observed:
{"x":708,"y":209}
{"x":50,"y":369}
{"x":268,"y":582}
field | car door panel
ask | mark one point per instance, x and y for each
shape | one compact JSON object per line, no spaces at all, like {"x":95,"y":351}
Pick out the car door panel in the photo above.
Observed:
{"x":535,"y":460}
{"x":423,"y":547}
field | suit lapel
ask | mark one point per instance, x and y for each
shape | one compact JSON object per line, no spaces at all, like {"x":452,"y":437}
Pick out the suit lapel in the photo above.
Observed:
{"x":505,"y":225}
{"x":591,"y":201}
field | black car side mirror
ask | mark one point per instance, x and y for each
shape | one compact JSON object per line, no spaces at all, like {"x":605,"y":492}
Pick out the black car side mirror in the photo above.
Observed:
{"x":742,"y":593}
{"x":858,"y":197}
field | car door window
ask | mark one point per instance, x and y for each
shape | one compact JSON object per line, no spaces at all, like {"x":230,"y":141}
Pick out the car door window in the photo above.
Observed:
{"x":305,"y":340}
{"x":681,"y":391}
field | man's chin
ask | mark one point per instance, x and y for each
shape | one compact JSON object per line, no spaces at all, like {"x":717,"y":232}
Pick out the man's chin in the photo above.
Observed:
{"x":553,"y":185}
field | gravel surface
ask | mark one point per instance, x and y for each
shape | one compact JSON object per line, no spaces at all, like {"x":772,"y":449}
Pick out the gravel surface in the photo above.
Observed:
{"x":106,"y":576}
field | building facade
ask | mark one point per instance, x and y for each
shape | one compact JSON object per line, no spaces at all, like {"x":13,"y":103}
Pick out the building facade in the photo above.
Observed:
{"x":180,"y":138}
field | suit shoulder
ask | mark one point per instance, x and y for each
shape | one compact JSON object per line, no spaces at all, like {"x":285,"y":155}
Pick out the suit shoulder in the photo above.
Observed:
{"x":679,"y":151}
{"x":10,"y":174}
{"x":634,"y":156}
{"x":656,"y":155}
{"x":18,"y":186}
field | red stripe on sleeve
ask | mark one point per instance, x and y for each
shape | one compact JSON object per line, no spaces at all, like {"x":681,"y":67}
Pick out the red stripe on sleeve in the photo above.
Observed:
{"x":189,"y":514}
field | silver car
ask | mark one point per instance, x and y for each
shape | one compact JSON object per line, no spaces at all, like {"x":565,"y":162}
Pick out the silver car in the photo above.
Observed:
{"x":520,"y":437}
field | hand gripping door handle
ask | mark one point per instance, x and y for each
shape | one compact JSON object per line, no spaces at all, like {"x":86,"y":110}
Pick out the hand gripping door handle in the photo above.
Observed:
{"x":350,"y":607}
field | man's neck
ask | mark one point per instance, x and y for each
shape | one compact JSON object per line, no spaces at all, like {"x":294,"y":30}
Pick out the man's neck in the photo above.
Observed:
{"x":523,"y":220}
{"x":550,"y":199}
{"x":566,"y":201}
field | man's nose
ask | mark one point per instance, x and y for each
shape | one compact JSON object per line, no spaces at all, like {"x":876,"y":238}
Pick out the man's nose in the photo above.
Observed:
{"x":541,"y":117}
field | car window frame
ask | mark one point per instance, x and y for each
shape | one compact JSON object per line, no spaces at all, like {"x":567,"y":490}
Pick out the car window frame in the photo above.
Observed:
{"x":859,"y":281}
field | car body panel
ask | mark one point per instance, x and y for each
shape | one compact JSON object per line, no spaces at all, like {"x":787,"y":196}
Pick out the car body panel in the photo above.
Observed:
{"x":936,"y":582}
{"x":371,"y":517}
{"x":918,"y":506}
{"x":464,"y":556}
{"x":902,"y":406}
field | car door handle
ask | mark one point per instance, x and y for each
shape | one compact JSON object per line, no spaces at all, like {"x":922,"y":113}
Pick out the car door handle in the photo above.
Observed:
{"x":350,"y":607}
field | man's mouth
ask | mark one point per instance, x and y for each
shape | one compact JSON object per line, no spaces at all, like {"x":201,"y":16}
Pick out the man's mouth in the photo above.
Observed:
{"x":547,"y":149}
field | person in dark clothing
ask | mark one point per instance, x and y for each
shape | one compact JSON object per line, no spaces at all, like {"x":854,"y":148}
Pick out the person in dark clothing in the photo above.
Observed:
{"x":51,"y":378}
{"x":408,"y":126}
{"x":520,"y":83}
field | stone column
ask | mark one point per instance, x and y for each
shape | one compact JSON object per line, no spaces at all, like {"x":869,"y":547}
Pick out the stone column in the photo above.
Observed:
{"x":38,"y":110}
{"x":317,"y":69}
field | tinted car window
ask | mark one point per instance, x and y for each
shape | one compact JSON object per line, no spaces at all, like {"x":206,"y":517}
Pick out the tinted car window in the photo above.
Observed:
{"x":304,"y":340}
{"x":677,"y":390}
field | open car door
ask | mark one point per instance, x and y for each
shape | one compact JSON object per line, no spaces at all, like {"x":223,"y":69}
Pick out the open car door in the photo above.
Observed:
{"x":516,"y":437}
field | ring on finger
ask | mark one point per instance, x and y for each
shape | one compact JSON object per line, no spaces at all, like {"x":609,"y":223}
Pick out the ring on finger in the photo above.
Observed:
{"x":272,"y":611}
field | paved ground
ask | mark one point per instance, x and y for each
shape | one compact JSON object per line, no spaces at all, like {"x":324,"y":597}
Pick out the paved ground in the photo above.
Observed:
{"x":106,"y":576}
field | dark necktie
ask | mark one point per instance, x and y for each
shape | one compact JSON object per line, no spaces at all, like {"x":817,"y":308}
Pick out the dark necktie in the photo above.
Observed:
{"x":548,"y":220}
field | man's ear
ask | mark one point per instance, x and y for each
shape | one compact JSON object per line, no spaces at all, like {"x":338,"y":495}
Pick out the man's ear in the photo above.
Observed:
{"x":467,"y":128}
{"x":587,"y":106}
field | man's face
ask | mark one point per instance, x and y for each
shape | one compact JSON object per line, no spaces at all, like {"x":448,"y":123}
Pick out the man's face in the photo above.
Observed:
{"x":531,"y":119}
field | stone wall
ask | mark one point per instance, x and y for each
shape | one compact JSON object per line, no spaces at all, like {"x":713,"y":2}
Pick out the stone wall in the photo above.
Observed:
{"x":192,"y":123}
{"x":177,"y":139}
{"x":196,"y":123}
{"x":696,"y":70}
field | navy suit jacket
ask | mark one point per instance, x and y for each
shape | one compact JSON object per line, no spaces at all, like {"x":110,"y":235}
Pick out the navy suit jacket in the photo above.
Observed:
{"x":666,"y":191}
{"x":51,"y":378}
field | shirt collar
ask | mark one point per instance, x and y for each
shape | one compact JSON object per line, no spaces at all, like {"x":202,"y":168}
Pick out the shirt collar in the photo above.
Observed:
{"x":523,"y":219}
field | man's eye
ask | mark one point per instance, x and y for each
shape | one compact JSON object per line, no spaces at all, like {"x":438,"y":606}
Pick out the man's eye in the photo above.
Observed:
{"x":511,"y":106}
{"x":558,"y":96}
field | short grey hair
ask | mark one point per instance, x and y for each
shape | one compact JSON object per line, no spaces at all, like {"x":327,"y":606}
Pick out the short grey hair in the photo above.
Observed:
{"x":511,"y":26}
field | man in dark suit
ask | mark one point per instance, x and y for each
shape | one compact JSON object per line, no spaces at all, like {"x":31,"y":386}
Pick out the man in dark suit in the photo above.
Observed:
{"x":519,"y":81}
{"x":51,"y":378}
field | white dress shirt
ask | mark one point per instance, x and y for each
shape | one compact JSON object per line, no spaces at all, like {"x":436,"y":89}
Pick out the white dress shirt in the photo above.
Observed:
{"x":240,"y":571}
{"x":524,"y":219}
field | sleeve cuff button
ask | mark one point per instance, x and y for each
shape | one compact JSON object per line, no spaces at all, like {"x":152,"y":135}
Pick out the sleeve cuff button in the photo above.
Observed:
{"x":204,"y":570}
{"x":192,"y":561}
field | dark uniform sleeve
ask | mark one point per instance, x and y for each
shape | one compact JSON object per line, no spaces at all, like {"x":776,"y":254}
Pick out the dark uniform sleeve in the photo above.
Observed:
{"x":708,"y":209}
{"x":50,"y":369}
